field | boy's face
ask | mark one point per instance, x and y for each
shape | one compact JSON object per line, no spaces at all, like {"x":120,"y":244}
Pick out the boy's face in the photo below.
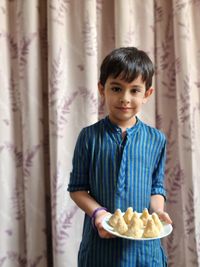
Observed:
{"x":124,"y":100}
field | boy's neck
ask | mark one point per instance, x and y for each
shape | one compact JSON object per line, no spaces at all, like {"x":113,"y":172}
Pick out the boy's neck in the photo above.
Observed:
{"x":123,"y":134}
{"x":124,"y":125}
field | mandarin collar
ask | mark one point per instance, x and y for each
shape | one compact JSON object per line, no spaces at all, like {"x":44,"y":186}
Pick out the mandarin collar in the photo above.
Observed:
{"x":116,"y":129}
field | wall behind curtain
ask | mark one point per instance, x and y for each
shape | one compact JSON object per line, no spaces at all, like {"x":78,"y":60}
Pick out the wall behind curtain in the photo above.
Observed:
{"x":50,"y":53}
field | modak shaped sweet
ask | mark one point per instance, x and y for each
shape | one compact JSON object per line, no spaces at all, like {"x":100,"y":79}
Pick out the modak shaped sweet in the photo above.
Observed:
{"x":157,"y":221}
{"x":136,"y":216}
{"x":121,"y":227}
{"x":145,"y":216}
{"x":128,"y":215}
{"x":134,"y":229}
{"x":151,"y":229}
{"x":114,"y":218}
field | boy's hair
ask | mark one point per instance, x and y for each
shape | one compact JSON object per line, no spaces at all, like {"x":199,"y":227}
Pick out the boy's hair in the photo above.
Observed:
{"x":127,"y":63}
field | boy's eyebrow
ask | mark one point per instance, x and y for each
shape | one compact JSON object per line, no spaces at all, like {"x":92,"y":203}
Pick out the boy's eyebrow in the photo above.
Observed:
{"x":115,"y":83}
{"x":133,"y":86}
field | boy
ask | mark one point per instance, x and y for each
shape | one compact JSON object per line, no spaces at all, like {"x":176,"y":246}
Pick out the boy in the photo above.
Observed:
{"x":119,"y":163}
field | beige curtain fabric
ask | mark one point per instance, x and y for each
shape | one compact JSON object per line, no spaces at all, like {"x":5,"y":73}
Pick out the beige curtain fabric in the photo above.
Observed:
{"x":22,"y":164}
{"x":178,"y":114}
{"x":50,"y":53}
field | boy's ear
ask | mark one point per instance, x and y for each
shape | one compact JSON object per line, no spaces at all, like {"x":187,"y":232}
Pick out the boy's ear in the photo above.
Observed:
{"x":148,"y":93}
{"x":101,"y":89}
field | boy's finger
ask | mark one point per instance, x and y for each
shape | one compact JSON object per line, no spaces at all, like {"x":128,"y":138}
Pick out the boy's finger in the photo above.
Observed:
{"x":165,"y":217}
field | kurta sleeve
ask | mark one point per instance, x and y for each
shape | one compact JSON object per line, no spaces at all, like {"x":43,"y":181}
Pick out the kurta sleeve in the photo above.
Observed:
{"x":159,"y":172}
{"x":79,"y":179}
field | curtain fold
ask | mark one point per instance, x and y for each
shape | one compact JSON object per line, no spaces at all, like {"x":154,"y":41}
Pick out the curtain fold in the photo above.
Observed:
{"x":131,"y":30}
{"x":178,"y":113}
{"x":23,"y":223}
{"x":50,"y":54}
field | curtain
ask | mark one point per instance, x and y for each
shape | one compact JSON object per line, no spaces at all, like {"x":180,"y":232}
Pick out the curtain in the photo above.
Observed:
{"x":50,"y":53}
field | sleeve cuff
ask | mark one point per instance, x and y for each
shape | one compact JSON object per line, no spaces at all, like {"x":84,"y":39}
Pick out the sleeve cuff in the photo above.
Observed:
{"x":159,"y":191}
{"x":74,"y":188}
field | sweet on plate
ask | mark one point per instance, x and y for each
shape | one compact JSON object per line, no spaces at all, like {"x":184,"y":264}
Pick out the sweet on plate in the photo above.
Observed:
{"x":136,"y":225}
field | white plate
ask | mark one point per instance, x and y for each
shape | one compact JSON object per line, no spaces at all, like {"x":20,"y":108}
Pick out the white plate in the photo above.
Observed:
{"x":167,"y":229}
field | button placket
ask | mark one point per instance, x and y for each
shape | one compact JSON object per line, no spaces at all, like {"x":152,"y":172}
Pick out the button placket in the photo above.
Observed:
{"x":122,"y":171}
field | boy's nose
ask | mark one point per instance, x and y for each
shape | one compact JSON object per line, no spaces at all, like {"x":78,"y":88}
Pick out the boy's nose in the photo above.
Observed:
{"x":125,"y":98}
{"x":124,"y":101}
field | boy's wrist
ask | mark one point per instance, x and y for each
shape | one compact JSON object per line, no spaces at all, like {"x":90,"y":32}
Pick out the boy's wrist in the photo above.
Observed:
{"x":94,"y":215}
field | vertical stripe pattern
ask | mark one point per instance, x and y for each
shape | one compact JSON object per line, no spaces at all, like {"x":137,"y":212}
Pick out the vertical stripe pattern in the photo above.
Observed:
{"x":119,"y":174}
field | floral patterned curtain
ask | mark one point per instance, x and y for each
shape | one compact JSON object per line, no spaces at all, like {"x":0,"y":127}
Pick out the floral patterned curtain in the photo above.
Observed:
{"x":50,"y":53}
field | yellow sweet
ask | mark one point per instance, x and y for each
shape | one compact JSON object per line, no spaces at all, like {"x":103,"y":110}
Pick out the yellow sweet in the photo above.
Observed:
{"x":114,"y":218}
{"x":145,"y":216}
{"x":157,"y":221}
{"x":121,"y":226}
{"x":151,"y":230}
{"x":137,"y":217}
{"x":128,"y":215}
{"x":135,"y":229}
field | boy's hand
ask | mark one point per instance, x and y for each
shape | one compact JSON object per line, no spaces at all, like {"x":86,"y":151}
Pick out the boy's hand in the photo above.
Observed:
{"x":98,"y":223}
{"x":164,"y":216}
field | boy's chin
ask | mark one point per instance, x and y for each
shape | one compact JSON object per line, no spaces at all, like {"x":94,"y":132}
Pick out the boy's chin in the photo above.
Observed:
{"x":125,"y":119}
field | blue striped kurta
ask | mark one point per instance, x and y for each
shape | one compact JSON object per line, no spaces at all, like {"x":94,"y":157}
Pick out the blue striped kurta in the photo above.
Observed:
{"x":119,"y":173}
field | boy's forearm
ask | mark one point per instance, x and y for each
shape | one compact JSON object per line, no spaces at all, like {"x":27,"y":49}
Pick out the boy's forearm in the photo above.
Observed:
{"x":84,"y":201}
{"x":157,"y":203}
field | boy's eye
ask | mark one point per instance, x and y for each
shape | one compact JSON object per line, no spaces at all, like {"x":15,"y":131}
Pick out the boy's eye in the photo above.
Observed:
{"x":116,"y":89}
{"x":135,"y":90}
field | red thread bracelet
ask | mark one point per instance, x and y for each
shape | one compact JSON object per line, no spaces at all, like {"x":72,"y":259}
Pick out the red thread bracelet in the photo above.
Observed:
{"x":93,"y":216}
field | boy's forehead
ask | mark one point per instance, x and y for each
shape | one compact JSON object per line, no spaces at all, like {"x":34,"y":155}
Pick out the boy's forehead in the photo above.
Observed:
{"x":121,"y":79}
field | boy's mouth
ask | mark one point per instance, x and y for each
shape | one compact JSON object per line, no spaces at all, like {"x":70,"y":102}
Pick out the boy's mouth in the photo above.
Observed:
{"x":124,"y":109}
